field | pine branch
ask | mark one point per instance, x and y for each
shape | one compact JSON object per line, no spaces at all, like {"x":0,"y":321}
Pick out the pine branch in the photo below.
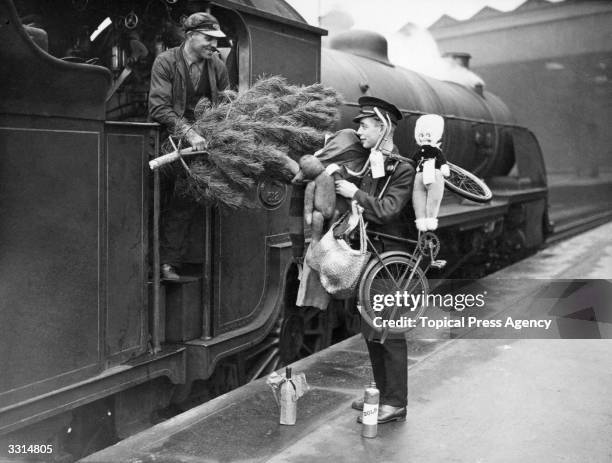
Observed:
{"x":251,"y":134}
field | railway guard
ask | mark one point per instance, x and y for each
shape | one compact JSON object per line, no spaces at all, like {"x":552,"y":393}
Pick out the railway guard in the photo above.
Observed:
{"x":180,"y":77}
{"x":390,"y":215}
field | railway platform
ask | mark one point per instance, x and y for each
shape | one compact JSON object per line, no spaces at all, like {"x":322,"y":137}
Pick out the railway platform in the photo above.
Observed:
{"x":473,"y":395}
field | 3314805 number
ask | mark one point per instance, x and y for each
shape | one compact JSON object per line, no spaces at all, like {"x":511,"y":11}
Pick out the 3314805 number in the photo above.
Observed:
{"x":30,"y":448}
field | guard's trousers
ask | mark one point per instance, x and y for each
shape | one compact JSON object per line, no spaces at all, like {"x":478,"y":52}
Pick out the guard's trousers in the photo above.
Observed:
{"x":390,"y":367}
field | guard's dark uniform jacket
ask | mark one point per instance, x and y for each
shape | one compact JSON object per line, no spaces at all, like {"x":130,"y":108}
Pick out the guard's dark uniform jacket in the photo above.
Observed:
{"x":391,"y":214}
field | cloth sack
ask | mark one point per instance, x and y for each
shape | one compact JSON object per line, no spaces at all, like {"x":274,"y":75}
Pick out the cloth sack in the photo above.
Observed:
{"x":310,"y":292}
{"x":340,"y":266}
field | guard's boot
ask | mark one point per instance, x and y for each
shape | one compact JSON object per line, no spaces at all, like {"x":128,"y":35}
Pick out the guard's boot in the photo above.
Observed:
{"x":388,"y":413}
{"x":168,"y":272}
{"x":357,"y":404}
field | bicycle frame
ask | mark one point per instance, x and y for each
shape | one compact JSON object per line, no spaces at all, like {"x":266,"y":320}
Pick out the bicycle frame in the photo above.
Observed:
{"x":408,"y":275}
{"x":416,"y":256}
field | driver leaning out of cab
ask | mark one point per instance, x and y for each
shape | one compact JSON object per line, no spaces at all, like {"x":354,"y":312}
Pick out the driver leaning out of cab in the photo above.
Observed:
{"x":180,"y":77}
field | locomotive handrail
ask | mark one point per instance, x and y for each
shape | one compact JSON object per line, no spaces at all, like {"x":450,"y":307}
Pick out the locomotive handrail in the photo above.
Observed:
{"x":173,"y":156}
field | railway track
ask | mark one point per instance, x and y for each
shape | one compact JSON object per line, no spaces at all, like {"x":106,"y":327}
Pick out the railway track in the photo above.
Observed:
{"x":578,"y":225}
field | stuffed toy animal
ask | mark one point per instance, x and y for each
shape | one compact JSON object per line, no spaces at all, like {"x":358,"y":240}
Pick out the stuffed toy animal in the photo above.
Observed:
{"x":431,"y":170}
{"x":320,"y":195}
{"x":342,"y":150}
{"x":341,"y":155}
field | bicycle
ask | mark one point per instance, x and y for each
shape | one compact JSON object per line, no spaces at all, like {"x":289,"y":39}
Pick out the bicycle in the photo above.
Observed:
{"x":467,"y":185}
{"x":399,"y":277}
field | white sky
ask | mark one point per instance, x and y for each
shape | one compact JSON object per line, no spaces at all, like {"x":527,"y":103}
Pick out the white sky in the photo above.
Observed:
{"x":387,"y":16}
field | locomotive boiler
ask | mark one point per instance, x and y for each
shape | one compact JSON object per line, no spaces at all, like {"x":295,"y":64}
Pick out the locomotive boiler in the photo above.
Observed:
{"x":93,"y":346}
{"x":480,"y":135}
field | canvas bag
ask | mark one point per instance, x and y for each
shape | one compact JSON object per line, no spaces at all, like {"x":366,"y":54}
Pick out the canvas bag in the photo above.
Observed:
{"x":340,"y":266}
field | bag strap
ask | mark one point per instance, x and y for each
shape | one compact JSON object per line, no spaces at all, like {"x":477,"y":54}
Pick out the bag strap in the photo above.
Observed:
{"x":363,"y":245}
{"x":348,"y":217}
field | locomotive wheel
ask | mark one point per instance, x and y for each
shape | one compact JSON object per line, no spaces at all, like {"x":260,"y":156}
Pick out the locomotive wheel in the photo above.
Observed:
{"x":304,"y":331}
{"x":394,"y":273}
{"x":264,"y":358}
{"x":467,"y":185}
{"x":351,"y":317}
{"x":299,"y":333}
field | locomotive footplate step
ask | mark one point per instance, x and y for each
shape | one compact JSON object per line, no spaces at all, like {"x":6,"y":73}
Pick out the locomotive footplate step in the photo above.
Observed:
{"x":183,"y":309}
{"x":470,"y":398}
{"x":455,"y":211}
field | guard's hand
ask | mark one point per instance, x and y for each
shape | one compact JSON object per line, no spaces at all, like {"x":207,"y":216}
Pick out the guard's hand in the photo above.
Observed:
{"x":346,"y":189}
{"x":197,"y":141}
{"x":445,"y":170}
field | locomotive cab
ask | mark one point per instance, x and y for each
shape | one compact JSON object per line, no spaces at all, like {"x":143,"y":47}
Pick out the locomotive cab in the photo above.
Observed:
{"x":80,"y":206}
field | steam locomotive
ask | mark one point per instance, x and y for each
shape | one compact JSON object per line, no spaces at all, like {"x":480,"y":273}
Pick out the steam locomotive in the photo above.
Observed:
{"x":93,"y":346}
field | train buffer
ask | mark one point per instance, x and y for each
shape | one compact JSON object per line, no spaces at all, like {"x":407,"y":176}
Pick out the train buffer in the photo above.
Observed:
{"x":473,"y":395}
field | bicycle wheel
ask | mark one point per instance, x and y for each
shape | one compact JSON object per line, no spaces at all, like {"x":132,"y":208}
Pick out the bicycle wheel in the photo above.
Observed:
{"x":397,"y":275}
{"x":467,"y":185}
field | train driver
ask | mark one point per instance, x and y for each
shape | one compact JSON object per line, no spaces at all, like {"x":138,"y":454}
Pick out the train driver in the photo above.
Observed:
{"x":180,"y":77}
{"x":388,"y":215}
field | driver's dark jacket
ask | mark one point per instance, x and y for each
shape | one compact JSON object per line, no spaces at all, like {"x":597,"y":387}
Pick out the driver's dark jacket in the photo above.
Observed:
{"x":392,"y":214}
{"x":168,"y":93}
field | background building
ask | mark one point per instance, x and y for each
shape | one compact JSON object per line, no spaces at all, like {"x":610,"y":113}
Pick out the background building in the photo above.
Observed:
{"x":550,"y":63}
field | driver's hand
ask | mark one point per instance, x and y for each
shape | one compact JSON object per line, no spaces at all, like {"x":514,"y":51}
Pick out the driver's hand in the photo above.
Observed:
{"x":197,"y":141}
